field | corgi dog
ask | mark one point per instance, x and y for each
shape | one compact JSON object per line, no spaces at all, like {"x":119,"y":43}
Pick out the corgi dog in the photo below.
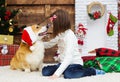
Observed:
{"x":30,"y":54}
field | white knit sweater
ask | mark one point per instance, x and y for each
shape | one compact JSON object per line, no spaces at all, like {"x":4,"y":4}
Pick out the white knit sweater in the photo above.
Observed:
{"x":67,"y":48}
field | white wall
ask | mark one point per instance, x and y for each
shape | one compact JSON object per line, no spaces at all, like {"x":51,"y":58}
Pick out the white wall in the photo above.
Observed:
{"x":96,"y":35}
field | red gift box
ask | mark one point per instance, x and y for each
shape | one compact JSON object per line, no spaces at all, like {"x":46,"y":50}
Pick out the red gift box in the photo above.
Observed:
{"x":86,"y":58}
{"x":5,"y":59}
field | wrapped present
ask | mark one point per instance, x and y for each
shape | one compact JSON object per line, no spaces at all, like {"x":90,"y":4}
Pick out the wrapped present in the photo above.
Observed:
{"x":87,"y":58}
{"x":5,"y":58}
{"x":107,"y":52}
{"x":6,"y":39}
{"x":108,"y":64}
{"x":92,"y":63}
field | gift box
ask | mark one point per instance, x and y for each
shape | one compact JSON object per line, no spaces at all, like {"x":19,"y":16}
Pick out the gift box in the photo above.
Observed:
{"x":87,"y":58}
{"x":6,"y":39}
{"x":107,"y":64}
{"x":5,"y":58}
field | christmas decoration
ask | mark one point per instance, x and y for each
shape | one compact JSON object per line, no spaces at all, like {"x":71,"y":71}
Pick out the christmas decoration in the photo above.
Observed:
{"x":110,"y":25}
{"x":95,"y":14}
{"x":4,"y":49}
{"x":5,"y":58}
{"x":7,"y":21}
{"x":80,"y":33}
{"x":107,"y":64}
{"x":29,"y":37}
{"x":6,"y":39}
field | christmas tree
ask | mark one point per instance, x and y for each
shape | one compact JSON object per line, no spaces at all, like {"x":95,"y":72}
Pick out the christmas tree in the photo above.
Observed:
{"x":8,"y":25}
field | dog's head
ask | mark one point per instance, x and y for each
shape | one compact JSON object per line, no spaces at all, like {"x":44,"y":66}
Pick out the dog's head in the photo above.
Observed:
{"x":32,"y":33}
{"x":40,"y":31}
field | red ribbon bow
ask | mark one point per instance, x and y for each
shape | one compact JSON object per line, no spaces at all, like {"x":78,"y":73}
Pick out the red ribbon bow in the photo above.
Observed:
{"x":53,"y":18}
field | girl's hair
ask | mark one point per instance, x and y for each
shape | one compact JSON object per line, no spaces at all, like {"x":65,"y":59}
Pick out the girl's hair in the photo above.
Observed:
{"x":61,"y":23}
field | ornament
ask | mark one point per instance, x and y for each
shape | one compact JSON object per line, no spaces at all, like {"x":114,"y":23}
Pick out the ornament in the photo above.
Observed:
{"x":80,"y":42}
{"x":80,"y":33}
{"x":2,"y":24}
{"x":2,"y":5}
{"x":4,"y":49}
{"x":20,"y":10}
{"x":11,"y":29}
{"x":5,"y":39}
{"x":6,"y":18}
{"x":110,"y":24}
{"x":10,"y":22}
{"x":96,"y":14}
{"x":8,"y":13}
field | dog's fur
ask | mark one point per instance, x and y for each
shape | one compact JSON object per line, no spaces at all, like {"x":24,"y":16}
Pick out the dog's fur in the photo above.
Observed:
{"x":28,"y":60}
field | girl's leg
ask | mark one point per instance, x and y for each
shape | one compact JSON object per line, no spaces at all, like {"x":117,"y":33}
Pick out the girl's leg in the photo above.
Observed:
{"x":49,"y":70}
{"x":77,"y":71}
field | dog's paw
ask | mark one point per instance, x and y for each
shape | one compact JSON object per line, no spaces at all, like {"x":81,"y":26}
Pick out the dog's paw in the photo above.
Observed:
{"x":27,"y":70}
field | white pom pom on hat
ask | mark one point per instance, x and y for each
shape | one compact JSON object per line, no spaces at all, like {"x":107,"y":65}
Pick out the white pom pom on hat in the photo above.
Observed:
{"x":32,"y":48}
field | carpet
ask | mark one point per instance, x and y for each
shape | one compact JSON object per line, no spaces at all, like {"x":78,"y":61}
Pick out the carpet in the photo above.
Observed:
{"x":8,"y":75}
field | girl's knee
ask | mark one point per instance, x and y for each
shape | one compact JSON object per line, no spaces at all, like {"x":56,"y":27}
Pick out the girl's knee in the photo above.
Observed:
{"x":45,"y":72}
{"x":73,"y":74}
{"x":67,"y":75}
{"x":49,"y":70}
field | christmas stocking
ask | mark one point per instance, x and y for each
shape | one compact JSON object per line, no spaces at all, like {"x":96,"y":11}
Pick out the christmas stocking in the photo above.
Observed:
{"x":111,"y":22}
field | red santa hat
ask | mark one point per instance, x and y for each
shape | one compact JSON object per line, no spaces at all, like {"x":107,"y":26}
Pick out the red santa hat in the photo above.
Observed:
{"x":28,"y":36}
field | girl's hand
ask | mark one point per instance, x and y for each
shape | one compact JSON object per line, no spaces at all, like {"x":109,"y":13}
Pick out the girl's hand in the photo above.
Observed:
{"x":53,"y":76}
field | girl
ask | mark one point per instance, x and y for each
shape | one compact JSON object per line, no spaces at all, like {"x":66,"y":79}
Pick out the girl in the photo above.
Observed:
{"x":70,"y":62}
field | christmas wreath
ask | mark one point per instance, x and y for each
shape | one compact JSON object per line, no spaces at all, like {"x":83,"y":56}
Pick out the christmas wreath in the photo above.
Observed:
{"x":95,"y":14}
